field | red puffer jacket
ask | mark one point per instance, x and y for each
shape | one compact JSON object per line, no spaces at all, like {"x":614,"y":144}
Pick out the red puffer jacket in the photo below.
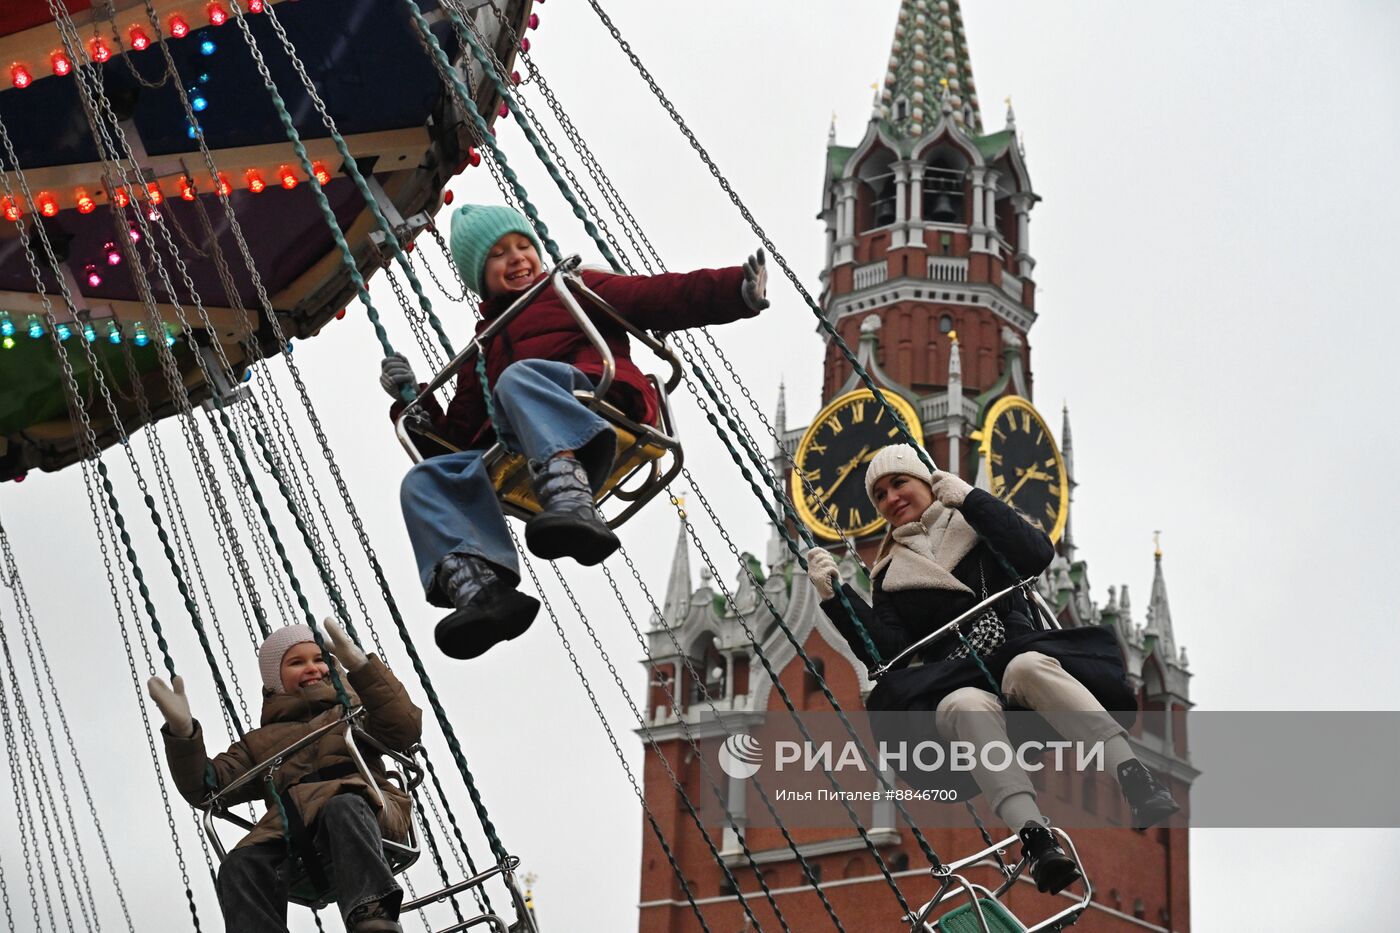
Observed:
{"x":546,"y":330}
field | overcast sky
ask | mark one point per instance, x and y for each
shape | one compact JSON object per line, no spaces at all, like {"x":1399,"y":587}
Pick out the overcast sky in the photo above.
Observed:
{"x":1211,"y":255}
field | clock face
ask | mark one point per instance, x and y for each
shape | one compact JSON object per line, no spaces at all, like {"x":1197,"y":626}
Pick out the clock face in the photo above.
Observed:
{"x":1024,"y":465}
{"x":833,"y":456}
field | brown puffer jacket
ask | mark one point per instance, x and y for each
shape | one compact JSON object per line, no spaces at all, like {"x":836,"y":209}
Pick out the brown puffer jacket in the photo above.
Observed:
{"x":321,"y":770}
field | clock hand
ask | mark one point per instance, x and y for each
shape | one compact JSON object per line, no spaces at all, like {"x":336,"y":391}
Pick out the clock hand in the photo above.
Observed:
{"x":1017,"y":488}
{"x":847,"y":470}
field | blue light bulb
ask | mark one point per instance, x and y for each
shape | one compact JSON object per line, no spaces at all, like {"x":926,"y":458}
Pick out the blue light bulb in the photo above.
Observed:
{"x":88,"y":333}
{"x":114,"y":334}
{"x":141,"y":339}
{"x":207,"y":47}
{"x":7,"y":327}
{"x":36,"y":330}
{"x":248,"y":375}
{"x":199,"y":103}
{"x":64,"y":331}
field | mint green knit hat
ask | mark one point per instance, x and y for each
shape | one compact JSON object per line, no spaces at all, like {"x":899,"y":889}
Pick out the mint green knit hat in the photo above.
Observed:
{"x":475,"y":229}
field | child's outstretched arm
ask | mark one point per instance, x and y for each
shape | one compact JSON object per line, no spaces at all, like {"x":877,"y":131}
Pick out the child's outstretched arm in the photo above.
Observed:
{"x":677,"y":300}
{"x":390,"y":716}
{"x":195,"y":775}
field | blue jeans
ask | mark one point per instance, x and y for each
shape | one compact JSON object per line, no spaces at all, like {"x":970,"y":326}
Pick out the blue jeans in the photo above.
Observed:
{"x":253,"y":880}
{"x":449,"y":503}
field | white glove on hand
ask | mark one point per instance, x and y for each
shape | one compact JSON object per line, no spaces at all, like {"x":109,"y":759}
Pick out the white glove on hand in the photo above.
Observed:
{"x":949,"y":489}
{"x":395,"y":373}
{"x":755,"y":288}
{"x":170,"y":699}
{"x":345,"y":650}
{"x":823,"y":572}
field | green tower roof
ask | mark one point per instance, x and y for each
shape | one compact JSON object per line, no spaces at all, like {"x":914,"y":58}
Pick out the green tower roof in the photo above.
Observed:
{"x":928,"y":59}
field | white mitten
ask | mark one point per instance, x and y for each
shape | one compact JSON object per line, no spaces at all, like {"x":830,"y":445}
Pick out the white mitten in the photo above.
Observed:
{"x":823,"y":572}
{"x":949,"y":489}
{"x":174,"y":706}
{"x":345,"y":650}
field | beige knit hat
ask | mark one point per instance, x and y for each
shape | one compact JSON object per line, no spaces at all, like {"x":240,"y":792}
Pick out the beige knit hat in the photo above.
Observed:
{"x":896,"y":458}
{"x":275,"y":648}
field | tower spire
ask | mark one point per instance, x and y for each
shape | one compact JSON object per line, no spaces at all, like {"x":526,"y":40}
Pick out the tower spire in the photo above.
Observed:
{"x":929,"y":48}
{"x":1067,"y":452}
{"x":1159,"y":613}
{"x":677,"y":604}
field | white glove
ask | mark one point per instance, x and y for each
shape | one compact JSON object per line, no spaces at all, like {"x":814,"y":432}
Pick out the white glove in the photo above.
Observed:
{"x":823,"y":572}
{"x":395,"y":373}
{"x":755,"y":288}
{"x":949,"y":489}
{"x":345,"y":650}
{"x":170,"y":699}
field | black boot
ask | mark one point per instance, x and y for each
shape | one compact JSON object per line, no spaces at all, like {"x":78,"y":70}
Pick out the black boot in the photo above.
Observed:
{"x":1051,"y":868}
{"x":1149,"y":799}
{"x":372,"y":918}
{"x":489,"y":610}
{"x":568,"y":524}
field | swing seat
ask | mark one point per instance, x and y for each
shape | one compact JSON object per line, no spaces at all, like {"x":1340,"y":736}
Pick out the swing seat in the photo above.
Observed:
{"x":964,"y":919}
{"x":648,"y":456}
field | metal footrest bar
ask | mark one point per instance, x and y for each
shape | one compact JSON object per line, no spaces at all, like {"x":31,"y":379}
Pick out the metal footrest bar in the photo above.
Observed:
{"x":509,"y":865}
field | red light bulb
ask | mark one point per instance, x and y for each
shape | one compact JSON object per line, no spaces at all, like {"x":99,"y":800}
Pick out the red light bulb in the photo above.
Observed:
{"x":94,"y":278}
{"x":322,"y":174}
{"x":525,"y":44}
{"x":20,"y":76}
{"x":340,"y":315}
{"x":504,"y":111}
{"x":447,"y":197}
{"x":179,"y":28}
{"x":99,"y":49}
{"x":153,"y":190}
{"x":473,"y":156}
{"x":534,"y":21}
{"x":86,"y":205}
{"x":222,"y":183}
{"x":138,"y":39}
{"x":114,"y":255}
{"x":10,"y":209}
{"x":46,"y":204}
{"x":515,"y":77}
{"x":120,"y":197}
{"x":60,"y":63}
{"x":217,"y":14}
{"x":187,"y":189}
{"x":287,"y":177}
{"x":255,"y":6}
{"x":255,"y":181}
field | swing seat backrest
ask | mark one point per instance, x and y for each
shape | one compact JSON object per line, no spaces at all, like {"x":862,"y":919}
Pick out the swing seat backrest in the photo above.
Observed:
{"x":964,"y":919}
{"x":648,"y":456}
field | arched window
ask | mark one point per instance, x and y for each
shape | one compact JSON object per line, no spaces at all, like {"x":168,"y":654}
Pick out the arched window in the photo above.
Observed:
{"x":876,"y":196}
{"x":710,"y":665}
{"x":945,"y":186}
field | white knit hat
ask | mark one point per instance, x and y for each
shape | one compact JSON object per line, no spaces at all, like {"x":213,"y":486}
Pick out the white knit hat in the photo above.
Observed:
{"x":896,"y":458}
{"x":275,"y":648}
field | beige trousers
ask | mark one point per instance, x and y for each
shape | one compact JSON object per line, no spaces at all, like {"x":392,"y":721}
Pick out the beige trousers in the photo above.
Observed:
{"x":1035,"y":681}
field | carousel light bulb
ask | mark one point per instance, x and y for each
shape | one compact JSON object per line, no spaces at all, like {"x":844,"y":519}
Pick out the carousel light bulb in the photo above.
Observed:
{"x":20,"y":76}
{"x":141,"y":338}
{"x":86,"y":205}
{"x":255,"y":6}
{"x":198,"y":102}
{"x":255,"y":181}
{"x":114,"y":255}
{"x":137,"y":38}
{"x":7,"y":326}
{"x":88,"y":333}
{"x":63,"y":331}
{"x":8,"y":343}
{"x":134,"y":233}
{"x":178,"y":26}
{"x":207,"y":47}
{"x":36,"y":328}
{"x":60,"y":64}
{"x":525,"y":44}
{"x":169,"y":336}
{"x":11,"y":209}
{"x":187,"y":189}
{"x":218,"y":15}
{"x":222,"y":184}
{"x":114,"y":333}
{"x":322,"y":173}
{"x":99,"y":49}
{"x":120,"y":197}
{"x":287,"y":177}
{"x":156,"y":195}
{"x":94,"y":278}
{"x":534,"y":21}
{"x":47,"y":205}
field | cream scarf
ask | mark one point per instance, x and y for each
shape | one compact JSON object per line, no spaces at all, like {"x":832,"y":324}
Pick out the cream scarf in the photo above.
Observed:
{"x":921,"y":555}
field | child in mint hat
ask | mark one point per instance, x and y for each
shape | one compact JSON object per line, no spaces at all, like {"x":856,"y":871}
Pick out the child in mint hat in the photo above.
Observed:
{"x":460,"y":538}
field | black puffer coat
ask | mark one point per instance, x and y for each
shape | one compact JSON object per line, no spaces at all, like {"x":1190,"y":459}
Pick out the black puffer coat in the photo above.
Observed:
{"x":1009,"y":549}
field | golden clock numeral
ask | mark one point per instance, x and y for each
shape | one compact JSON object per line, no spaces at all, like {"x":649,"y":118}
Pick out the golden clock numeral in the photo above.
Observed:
{"x":998,"y":486}
{"x":999,"y":433}
{"x":819,"y":448}
{"x":879,"y":414}
{"x":997,"y":459}
{"x":1050,"y":511}
{"x":1050,"y":461}
{"x":834,"y":423}
{"x":1026,"y":422}
{"x":894,"y":432}
{"x":854,"y":519}
{"x":812,"y":475}
{"x":857,"y":412}
{"x":819,"y":493}
{"x":1040,"y":436}
{"x":1055,"y":489}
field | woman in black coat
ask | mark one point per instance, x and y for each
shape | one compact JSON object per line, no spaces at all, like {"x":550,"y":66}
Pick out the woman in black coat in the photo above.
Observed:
{"x":949,"y":547}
